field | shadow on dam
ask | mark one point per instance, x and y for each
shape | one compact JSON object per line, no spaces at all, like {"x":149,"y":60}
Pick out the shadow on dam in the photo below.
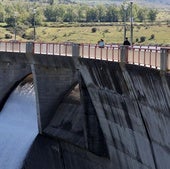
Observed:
{"x":116,"y":117}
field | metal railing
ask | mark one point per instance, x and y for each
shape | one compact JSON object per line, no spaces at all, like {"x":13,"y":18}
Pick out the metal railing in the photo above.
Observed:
{"x":139,"y":55}
{"x":64,"y":49}
{"x":13,"y":46}
{"x":149,"y":56}
{"x":145,"y":56}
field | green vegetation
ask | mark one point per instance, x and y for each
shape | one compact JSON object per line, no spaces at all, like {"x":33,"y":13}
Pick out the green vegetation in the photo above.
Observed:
{"x":154,"y":34}
{"x":81,"y":23}
{"x":111,"y":34}
{"x":25,"y":13}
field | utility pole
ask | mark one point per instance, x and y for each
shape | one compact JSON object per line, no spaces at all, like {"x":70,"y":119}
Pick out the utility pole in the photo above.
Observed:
{"x":15,"y":31}
{"x":34,"y":12}
{"x":125,"y":10}
{"x":131,"y":23}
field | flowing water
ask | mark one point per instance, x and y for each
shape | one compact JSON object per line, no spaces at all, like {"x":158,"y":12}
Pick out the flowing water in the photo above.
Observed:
{"x":18,"y":126}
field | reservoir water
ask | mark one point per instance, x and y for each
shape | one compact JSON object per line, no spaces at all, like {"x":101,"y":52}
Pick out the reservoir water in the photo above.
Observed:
{"x":18,"y":126}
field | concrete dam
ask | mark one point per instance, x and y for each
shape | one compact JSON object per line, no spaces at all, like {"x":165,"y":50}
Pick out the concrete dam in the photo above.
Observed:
{"x":93,"y":114}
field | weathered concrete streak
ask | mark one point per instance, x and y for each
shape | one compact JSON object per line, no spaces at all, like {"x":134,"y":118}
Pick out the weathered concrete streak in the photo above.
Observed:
{"x":153,"y":99}
{"x":13,"y":68}
{"x":55,"y":77}
{"x":94,"y":135}
{"x":133,"y":111}
{"x":111,"y":107}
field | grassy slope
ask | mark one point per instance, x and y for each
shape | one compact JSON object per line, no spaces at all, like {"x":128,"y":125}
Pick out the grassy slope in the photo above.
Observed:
{"x":111,"y":34}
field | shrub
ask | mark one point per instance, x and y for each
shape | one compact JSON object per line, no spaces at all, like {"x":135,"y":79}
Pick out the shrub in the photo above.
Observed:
{"x":8,"y":36}
{"x":152,"y":37}
{"x":94,"y":30}
{"x":142,"y":39}
{"x":28,"y":36}
{"x":106,"y":31}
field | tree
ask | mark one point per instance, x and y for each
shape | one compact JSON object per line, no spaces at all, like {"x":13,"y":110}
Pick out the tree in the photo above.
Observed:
{"x":91,"y":15}
{"x":2,"y":13}
{"x":81,"y":12}
{"x":112,"y":14}
{"x":141,"y":14}
{"x":10,"y":21}
{"x":49,"y":13}
{"x":70,"y":14}
{"x":152,"y":14}
{"x":101,"y":13}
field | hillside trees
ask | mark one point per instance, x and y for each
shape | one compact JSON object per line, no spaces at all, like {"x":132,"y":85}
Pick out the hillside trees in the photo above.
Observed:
{"x":71,"y":13}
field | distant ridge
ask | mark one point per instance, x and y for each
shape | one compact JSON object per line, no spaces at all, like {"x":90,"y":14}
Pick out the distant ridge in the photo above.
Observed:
{"x":143,"y":2}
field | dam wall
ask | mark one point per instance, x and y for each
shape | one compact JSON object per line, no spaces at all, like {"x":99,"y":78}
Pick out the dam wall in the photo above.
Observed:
{"x":94,"y":114}
{"x":132,"y":105}
{"x":124,"y":121}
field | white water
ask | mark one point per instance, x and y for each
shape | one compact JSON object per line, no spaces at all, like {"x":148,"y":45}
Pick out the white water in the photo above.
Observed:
{"x":18,"y":127}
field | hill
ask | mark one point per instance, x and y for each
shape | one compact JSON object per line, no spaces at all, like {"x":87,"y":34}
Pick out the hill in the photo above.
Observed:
{"x":152,"y":3}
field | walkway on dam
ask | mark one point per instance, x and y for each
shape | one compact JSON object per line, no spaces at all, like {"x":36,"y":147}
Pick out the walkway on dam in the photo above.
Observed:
{"x":140,"y":55}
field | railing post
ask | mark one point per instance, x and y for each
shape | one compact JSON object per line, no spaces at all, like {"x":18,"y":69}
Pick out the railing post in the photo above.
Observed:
{"x":164,"y":59}
{"x":30,"y":51}
{"x":29,"y":48}
{"x":76,"y":54}
{"x":123,"y":54}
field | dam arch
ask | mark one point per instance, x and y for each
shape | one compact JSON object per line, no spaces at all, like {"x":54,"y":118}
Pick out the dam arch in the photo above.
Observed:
{"x":14,"y":68}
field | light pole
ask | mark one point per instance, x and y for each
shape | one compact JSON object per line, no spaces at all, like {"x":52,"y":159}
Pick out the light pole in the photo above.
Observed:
{"x":34,"y":12}
{"x":15,"y":31}
{"x":131,"y":23}
{"x":125,"y":8}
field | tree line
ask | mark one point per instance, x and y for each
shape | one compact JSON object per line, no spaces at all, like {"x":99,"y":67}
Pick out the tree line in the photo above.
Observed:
{"x":26,"y":13}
